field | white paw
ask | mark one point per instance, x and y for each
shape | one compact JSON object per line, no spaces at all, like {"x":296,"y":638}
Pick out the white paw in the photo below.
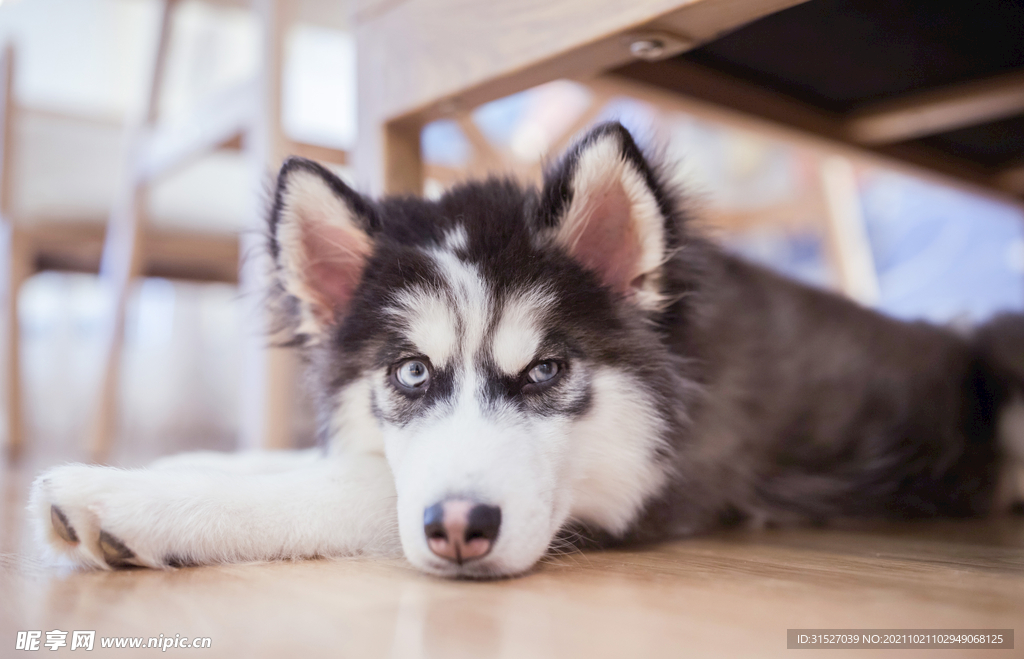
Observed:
{"x":89,"y":516}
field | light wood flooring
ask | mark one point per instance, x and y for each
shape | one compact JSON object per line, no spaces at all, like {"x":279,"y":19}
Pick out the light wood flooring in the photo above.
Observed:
{"x":730,"y":594}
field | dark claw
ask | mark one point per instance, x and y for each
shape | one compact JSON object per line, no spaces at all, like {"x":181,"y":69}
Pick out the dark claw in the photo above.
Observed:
{"x":61,"y":525}
{"x":115,"y":553}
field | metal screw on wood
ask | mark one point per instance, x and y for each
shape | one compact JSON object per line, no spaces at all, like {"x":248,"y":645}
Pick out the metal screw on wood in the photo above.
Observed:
{"x":647,"y":49}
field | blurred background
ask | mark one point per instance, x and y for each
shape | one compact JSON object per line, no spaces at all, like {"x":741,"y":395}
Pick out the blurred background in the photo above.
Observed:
{"x":82,"y":100}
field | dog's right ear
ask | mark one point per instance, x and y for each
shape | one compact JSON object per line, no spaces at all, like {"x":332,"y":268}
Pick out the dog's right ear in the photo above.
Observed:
{"x":320,"y":241}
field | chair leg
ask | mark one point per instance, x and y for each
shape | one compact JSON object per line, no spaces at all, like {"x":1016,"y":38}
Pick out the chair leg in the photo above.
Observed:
{"x":101,"y":437}
{"x":270,"y":374}
{"x":847,"y":234}
{"x":16,"y":252}
{"x":121,"y":266}
{"x":122,"y":249}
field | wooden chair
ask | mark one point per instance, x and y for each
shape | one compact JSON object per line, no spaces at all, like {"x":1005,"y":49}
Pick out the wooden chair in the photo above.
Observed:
{"x":247,"y":117}
{"x":73,"y":242}
{"x":124,"y":246}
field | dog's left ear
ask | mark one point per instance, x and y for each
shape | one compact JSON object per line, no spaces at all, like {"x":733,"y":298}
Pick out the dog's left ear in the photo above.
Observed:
{"x":601,"y":204}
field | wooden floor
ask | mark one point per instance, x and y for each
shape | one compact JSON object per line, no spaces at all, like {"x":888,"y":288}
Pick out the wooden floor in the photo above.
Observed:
{"x":732,"y":594}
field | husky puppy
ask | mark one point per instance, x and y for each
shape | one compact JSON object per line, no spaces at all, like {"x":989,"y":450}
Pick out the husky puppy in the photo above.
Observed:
{"x":507,"y":368}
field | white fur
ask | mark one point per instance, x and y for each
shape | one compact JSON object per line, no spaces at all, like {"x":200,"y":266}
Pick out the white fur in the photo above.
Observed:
{"x":336,"y":506}
{"x":495,"y":457}
{"x":612,"y":461}
{"x":471,"y":298}
{"x":517,"y":335}
{"x":246,"y":462}
{"x":430,"y":323}
{"x":354,"y":429}
{"x":445,"y":325}
{"x":456,"y":239}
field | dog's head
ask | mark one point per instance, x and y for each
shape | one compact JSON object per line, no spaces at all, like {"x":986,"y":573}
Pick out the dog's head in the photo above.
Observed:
{"x":500,"y":346}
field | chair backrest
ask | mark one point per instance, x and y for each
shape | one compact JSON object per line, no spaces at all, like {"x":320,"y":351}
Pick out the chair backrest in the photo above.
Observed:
{"x":54,"y":167}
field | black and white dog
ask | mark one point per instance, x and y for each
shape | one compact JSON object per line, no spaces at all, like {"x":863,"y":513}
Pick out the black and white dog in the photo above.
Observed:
{"x":507,"y":369}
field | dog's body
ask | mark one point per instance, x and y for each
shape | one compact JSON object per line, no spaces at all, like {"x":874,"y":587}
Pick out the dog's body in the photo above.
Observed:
{"x":521,"y":368}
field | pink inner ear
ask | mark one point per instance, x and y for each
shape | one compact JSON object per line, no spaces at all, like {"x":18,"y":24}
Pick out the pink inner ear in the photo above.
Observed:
{"x":606,"y":239}
{"x":335,"y":257}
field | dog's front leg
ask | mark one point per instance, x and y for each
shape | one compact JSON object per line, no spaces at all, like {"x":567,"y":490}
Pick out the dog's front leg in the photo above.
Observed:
{"x":106,"y":517}
{"x":241,"y":462}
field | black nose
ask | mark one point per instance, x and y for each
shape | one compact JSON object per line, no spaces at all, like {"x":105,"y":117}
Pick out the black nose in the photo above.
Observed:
{"x":460,"y":530}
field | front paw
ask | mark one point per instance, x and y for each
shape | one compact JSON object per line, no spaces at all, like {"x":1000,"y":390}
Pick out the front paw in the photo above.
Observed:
{"x":82,"y":515}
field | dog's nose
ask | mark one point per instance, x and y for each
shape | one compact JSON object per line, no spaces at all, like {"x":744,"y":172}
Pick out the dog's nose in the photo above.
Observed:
{"x":460,"y":530}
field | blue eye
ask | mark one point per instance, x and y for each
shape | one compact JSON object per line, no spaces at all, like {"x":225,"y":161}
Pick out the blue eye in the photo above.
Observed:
{"x":412,"y":374}
{"x":543,"y":372}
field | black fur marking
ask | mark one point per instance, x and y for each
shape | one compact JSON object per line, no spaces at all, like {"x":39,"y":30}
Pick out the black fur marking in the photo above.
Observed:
{"x":562,"y":397}
{"x":404,"y":409}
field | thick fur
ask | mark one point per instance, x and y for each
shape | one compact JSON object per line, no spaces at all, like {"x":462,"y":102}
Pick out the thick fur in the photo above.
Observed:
{"x":692,"y":388}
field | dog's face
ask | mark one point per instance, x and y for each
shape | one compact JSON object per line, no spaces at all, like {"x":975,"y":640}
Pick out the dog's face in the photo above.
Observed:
{"x":496,"y":345}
